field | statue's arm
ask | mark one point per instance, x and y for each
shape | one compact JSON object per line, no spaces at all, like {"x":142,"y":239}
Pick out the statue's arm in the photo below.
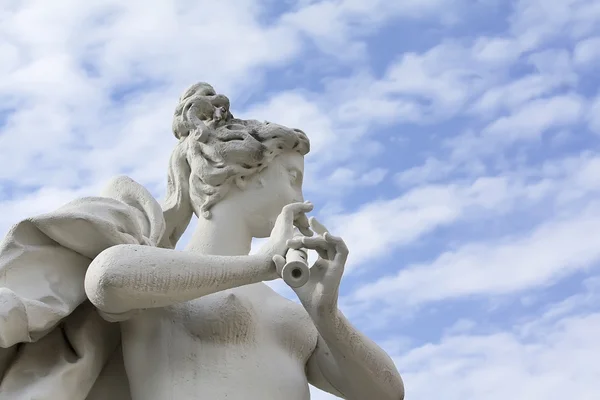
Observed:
{"x":348,"y":364}
{"x":132,"y":277}
{"x":345,"y":362}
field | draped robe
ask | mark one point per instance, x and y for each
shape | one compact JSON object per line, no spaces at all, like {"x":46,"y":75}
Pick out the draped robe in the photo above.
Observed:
{"x":54,"y":345}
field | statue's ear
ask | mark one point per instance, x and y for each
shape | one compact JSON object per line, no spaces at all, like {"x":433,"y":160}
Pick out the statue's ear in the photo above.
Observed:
{"x":241,"y":182}
{"x":200,"y":133}
{"x":196,"y":127}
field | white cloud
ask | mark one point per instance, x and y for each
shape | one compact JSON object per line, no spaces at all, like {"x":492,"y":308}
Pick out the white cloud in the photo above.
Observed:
{"x":594,"y":115}
{"x":587,"y":52}
{"x":534,"y":118}
{"x":547,"y":355}
{"x":439,"y":82}
{"x":346,"y":177}
{"x":496,"y":50}
{"x":334,"y":25}
{"x":557,"y":247}
{"x":515,"y":93}
{"x":432,"y":170}
{"x":552,"y":356}
{"x":462,"y":326}
{"x":525,"y":124}
{"x":536,"y":22}
{"x":553,"y":250}
{"x":380,"y":227}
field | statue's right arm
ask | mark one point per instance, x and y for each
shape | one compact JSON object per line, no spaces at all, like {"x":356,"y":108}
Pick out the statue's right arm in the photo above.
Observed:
{"x":132,"y":277}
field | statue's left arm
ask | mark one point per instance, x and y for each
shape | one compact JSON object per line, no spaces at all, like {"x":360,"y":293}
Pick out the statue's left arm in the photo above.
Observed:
{"x":345,"y":362}
{"x":350,"y":365}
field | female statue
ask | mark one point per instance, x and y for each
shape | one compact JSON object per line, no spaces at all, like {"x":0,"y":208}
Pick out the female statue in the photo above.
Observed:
{"x":200,"y":323}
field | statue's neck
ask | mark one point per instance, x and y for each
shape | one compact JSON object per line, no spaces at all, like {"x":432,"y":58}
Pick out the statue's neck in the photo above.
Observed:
{"x":223,"y":235}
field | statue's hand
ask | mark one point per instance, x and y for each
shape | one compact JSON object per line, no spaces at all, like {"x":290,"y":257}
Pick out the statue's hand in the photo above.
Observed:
{"x":292,"y":216}
{"x":320,"y":294}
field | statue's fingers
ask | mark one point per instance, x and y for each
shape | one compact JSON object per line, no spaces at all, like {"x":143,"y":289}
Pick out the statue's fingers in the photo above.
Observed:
{"x":320,"y":266}
{"x":338,"y":242}
{"x":318,"y":243}
{"x":279,"y":262}
{"x":301,"y":222}
{"x":316,"y":226}
{"x":324,"y":254}
{"x":293,"y":210}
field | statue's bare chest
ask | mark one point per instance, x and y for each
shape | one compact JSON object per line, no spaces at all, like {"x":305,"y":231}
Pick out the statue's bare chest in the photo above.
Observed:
{"x":247,"y":317}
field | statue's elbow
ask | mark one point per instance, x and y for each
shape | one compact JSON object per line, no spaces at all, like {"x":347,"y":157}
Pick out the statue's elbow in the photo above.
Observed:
{"x":102,"y":281}
{"x":394,"y":390}
{"x":399,"y":388}
{"x":401,"y":394}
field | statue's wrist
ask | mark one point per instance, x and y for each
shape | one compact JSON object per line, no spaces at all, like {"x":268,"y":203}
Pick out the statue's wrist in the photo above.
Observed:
{"x":265,"y":266}
{"x":326,"y":315}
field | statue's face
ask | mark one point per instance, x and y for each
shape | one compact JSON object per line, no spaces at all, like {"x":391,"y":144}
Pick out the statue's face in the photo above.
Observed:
{"x":279,"y":184}
{"x":210,"y":103}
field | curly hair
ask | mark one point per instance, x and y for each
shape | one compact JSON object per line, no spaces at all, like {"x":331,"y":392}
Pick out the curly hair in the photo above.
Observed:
{"x":216,"y":150}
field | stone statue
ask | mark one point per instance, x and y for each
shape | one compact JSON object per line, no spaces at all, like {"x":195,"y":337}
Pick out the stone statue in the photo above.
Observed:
{"x":95,"y":302}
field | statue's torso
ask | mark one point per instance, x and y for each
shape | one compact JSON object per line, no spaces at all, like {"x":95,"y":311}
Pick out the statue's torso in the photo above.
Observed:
{"x":243,"y":343}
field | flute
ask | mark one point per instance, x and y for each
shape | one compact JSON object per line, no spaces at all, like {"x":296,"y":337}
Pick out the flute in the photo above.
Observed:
{"x":295,"y":272}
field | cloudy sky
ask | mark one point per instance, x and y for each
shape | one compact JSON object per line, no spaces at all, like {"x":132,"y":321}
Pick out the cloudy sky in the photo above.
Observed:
{"x":455,"y":148}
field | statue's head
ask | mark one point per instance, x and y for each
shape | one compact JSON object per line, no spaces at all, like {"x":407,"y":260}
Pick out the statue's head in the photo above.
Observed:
{"x":254,"y":166}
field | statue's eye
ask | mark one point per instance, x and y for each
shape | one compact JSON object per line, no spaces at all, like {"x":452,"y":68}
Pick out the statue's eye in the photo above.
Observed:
{"x":295,"y":177}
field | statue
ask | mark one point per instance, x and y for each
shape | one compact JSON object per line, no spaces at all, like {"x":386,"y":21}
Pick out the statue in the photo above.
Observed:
{"x":95,"y":302}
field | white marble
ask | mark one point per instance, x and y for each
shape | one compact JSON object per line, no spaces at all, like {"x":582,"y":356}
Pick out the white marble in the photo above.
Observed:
{"x":95,"y":302}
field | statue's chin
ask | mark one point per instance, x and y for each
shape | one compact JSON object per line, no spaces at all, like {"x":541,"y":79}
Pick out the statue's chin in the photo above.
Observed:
{"x":263,"y":229}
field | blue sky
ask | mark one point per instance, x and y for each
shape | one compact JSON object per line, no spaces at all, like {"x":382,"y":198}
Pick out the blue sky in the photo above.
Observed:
{"x":454,"y":147}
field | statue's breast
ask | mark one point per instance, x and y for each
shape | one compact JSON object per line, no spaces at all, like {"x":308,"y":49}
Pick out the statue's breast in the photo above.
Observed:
{"x":224,"y":317}
{"x":291,"y":327}
{"x":246,"y":317}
